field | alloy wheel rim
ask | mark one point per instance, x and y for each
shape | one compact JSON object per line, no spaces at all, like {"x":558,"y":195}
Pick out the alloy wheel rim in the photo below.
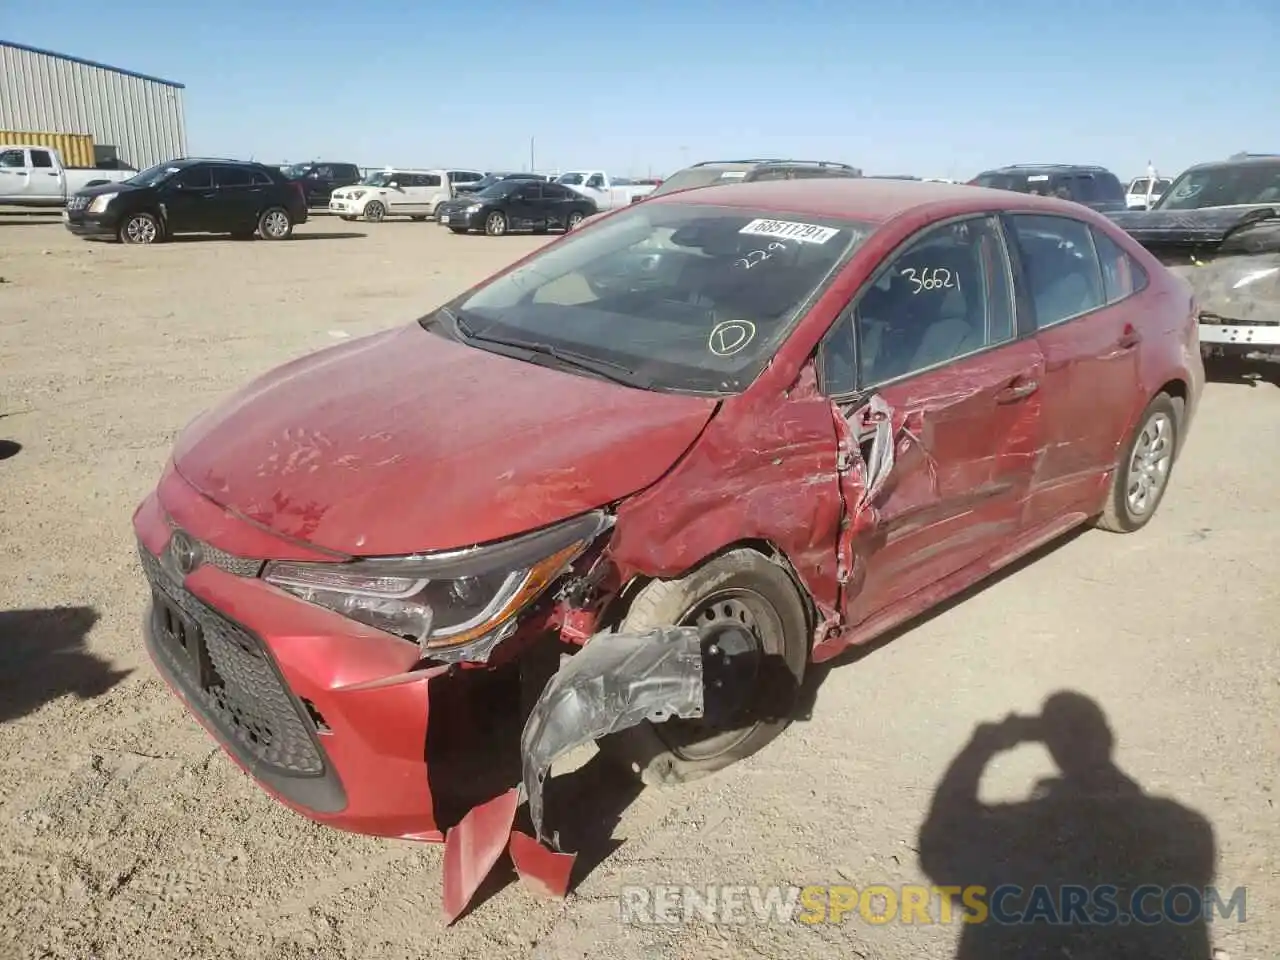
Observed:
{"x":375,"y":211}
{"x":276,"y":224}
{"x":141,"y":230}
{"x":1149,"y":465}
{"x":496,"y":223}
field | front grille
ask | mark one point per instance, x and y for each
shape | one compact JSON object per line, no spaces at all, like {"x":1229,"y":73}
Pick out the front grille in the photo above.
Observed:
{"x":230,"y":678}
{"x":239,"y":566}
{"x":77,"y":203}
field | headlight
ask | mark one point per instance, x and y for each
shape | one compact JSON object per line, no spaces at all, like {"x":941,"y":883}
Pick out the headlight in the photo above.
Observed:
{"x":99,"y":203}
{"x":355,"y":195}
{"x":455,"y":603}
{"x":474,"y":208}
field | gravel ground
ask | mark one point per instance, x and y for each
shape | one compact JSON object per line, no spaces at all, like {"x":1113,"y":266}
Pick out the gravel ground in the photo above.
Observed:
{"x":125,"y":833}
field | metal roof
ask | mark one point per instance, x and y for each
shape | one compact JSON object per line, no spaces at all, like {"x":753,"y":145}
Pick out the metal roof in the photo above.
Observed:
{"x":90,"y":63}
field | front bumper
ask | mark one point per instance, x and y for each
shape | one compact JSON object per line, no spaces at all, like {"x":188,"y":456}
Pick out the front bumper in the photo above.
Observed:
{"x":84,"y":224}
{"x":458,"y":217}
{"x":1240,"y":335}
{"x":346,"y":208}
{"x":330,"y":717}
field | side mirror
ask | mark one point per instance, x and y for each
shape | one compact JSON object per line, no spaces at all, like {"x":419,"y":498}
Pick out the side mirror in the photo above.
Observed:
{"x":394,"y":185}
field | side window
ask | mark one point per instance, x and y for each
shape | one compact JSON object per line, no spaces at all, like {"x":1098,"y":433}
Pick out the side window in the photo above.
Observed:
{"x":12,"y":158}
{"x":325,"y":172}
{"x":429,"y":180}
{"x":195,"y":178}
{"x":596,"y":181}
{"x":41,"y":159}
{"x":772,"y":173}
{"x":1122,"y":276}
{"x":232,"y":177}
{"x":946,"y":295}
{"x":530,"y":191}
{"x":260,"y":179}
{"x":1060,"y":266}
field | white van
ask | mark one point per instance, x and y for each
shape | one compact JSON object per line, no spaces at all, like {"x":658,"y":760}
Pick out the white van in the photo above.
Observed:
{"x":393,"y":192}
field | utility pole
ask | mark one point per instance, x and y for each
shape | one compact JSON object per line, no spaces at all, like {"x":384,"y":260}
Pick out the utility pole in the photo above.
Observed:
{"x":532,"y":168}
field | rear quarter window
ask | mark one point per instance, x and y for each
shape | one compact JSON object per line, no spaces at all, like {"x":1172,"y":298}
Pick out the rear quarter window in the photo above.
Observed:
{"x":1122,"y":276}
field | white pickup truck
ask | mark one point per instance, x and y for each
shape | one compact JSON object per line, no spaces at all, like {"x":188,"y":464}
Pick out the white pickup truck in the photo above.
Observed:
{"x":34,"y":176}
{"x":608,"y":192}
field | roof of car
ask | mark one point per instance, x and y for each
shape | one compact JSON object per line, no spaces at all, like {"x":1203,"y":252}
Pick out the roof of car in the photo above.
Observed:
{"x":1033,"y":168}
{"x":860,"y":198}
{"x":1248,"y":160}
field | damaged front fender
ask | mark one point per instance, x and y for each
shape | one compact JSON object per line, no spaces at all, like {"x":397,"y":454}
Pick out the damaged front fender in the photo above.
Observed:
{"x":617,"y":681}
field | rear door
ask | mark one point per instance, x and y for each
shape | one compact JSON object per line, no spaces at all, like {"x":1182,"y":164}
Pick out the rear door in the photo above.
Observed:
{"x":932,"y":338}
{"x":1090,"y":352}
{"x":45,"y":181}
{"x":558,"y":203}
{"x":526,"y":208}
{"x":239,"y":198}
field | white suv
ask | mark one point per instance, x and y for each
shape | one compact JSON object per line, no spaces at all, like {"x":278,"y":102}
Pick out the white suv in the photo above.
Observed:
{"x":394,"y":192}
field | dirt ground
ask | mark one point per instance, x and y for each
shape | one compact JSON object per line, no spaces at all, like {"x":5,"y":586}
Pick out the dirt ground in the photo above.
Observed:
{"x":125,"y":833}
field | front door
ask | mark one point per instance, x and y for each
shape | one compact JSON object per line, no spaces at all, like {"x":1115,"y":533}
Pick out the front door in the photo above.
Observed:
{"x":1091,"y":357}
{"x":46,"y":179}
{"x":526,"y":210}
{"x":931,"y":348}
{"x":191,"y":201}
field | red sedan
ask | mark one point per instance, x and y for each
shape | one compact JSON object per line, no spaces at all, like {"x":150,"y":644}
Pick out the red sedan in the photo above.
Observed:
{"x":700,"y":443}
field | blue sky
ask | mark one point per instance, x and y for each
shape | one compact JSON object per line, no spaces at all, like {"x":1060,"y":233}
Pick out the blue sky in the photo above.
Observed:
{"x":930,"y":87}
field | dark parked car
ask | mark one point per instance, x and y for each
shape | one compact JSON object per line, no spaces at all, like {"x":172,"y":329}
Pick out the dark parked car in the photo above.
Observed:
{"x":489,"y":179}
{"x":699,"y":446}
{"x":1218,"y":226}
{"x":518,"y":204}
{"x":1094,"y":187}
{"x":319,"y":180}
{"x":715,"y":172}
{"x":190,"y":196}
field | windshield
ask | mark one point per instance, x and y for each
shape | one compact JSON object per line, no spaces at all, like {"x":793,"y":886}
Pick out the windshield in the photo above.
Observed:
{"x":496,"y":190}
{"x":698,"y":177}
{"x":1223,"y":186}
{"x":295,"y":170}
{"x":153,"y":175}
{"x":681,"y":297}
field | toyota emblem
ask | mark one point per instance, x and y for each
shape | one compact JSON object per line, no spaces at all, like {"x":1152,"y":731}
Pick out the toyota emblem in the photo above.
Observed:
{"x":185,"y":552}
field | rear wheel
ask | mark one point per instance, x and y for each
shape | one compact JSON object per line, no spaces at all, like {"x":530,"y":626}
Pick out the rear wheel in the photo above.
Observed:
{"x":575,"y":218}
{"x":274,"y":224}
{"x":750,"y":689}
{"x":1142,"y":474}
{"x":495,"y":225}
{"x":141,"y":228}
{"x":374,"y":212}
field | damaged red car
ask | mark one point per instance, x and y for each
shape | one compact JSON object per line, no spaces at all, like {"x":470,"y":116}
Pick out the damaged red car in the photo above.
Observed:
{"x":696,"y":445}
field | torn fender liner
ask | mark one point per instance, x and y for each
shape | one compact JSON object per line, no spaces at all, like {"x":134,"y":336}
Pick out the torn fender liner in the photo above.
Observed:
{"x":614,"y":682}
{"x":545,"y":871}
{"x":473,"y":846}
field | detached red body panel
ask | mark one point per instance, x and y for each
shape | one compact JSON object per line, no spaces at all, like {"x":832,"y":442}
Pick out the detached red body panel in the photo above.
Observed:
{"x":998,"y":425}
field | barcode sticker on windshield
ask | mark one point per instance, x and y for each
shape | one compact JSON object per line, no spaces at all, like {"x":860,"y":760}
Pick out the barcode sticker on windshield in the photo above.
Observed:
{"x":789,"y":230}
{"x":733,"y":175}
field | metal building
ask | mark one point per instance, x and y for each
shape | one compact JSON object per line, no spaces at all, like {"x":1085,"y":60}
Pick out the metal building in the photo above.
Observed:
{"x":137,"y":116}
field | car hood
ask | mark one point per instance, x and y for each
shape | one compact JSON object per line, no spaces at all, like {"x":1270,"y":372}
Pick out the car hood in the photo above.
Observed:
{"x":1207,"y":225}
{"x":114,"y":186}
{"x":404,"y":442}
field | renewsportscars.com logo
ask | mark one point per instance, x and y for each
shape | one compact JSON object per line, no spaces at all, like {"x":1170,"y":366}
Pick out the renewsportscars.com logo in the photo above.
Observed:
{"x":878,"y":904}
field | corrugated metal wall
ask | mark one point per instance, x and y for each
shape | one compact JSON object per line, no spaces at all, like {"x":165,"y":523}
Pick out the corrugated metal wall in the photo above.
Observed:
{"x":141,"y":116}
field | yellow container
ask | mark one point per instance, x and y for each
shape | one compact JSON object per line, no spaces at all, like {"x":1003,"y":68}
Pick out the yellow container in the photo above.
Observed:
{"x":76,"y":148}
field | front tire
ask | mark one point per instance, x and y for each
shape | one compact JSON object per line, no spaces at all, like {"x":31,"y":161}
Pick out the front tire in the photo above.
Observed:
{"x":575,"y":218}
{"x":275,"y":224}
{"x":374,"y":212}
{"x":495,"y":224}
{"x":141,"y":228}
{"x":749,"y":692}
{"x":1141,"y":476}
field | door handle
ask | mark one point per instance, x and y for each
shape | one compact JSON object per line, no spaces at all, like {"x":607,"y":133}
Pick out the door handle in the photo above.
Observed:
{"x":1129,"y":337}
{"x":1017,"y":390}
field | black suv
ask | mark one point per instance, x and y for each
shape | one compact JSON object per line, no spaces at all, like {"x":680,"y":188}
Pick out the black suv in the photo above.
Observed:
{"x":710,"y":172}
{"x":319,"y":180}
{"x":190,"y":196}
{"x":1091,"y":186}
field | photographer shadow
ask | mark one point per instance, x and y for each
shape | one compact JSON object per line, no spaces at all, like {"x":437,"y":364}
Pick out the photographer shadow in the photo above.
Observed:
{"x":1057,"y":854}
